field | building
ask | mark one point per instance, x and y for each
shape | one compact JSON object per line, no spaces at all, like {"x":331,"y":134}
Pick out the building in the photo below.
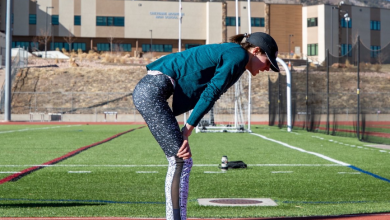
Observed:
{"x":143,"y":26}
{"x":336,"y":28}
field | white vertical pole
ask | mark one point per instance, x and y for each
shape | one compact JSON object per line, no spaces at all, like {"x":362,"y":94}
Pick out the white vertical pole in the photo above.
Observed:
{"x":249,"y":100}
{"x":180,"y":18}
{"x":7,"y":100}
{"x":236,"y":86}
{"x":249,"y":74}
{"x":249,"y":17}
{"x":179,"y":46}
{"x":237,"y":17}
{"x":288,"y":79}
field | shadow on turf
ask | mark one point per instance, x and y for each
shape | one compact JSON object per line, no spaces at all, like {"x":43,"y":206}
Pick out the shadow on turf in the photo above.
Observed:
{"x":41,"y":205}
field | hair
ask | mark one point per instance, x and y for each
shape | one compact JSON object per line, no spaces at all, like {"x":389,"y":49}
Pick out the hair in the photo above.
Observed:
{"x":238,"y":39}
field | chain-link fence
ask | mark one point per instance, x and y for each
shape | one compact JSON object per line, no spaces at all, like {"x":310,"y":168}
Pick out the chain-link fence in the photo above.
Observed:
{"x":347,"y":95}
{"x":19,"y":61}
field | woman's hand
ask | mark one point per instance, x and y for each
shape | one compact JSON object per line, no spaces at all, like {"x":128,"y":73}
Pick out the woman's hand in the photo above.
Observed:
{"x":185,"y":151}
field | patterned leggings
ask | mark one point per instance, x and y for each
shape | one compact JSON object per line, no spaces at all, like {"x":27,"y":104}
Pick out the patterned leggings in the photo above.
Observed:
{"x":150,"y":98}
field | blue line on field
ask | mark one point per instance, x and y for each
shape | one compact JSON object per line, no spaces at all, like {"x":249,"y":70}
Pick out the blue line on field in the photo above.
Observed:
{"x":72,"y":200}
{"x":369,"y":173}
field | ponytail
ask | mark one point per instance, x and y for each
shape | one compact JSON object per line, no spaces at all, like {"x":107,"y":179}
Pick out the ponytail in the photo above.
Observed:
{"x":241,"y":40}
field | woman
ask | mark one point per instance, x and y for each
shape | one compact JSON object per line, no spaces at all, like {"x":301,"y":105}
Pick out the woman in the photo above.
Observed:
{"x":197,"y":77}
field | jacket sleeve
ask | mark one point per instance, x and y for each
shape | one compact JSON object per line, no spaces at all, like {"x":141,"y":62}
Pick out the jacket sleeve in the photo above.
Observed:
{"x":230,"y":67}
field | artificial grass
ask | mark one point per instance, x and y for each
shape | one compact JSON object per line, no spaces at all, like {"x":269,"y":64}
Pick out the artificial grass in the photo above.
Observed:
{"x":114,"y":188}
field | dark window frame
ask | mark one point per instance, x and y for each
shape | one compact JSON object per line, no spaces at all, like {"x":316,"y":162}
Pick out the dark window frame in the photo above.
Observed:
{"x":77,"y":20}
{"x":55,"y":20}
{"x":32,"y":19}
{"x":310,"y":48}
{"x":257,"y":22}
{"x":312,"y":22}
{"x":231,"y":21}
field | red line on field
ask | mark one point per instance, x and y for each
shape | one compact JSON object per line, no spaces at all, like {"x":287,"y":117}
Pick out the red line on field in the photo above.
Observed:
{"x":27,"y":171}
{"x":380,"y":216}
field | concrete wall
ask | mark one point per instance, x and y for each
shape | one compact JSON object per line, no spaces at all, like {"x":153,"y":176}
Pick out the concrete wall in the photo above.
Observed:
{"x":285,"y":20}
{"x":43,"y":19}
{"x":385,"y":27}
{"x":88,"y":19}
{"x":360,"y":17}
{"x":22,"y":13}
{"x":66,"y":17}
{"x":214,"y":23}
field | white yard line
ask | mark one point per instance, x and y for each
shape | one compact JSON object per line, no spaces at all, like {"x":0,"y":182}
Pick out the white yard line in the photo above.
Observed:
{"x":304,"y":151}
{"x":28,"y":129}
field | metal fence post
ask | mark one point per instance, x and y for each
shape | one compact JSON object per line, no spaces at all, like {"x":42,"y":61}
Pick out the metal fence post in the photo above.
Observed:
{"x":327,"y":92}
{"x":358,"y":89}
{"x":307,"y":94}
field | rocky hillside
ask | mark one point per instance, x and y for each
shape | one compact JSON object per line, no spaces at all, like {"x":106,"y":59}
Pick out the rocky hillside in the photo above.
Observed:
{"x":87,"y":90}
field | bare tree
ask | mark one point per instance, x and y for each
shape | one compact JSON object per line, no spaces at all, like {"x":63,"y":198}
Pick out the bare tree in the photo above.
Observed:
{"x":43,"y":38}
{"x":111,"y":40}
{"x":113,"y":43}
{"x":382,"y":57}
{"x":70,"y":39}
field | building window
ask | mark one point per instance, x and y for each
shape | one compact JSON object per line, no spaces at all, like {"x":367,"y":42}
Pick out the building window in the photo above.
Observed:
{"x":125,"y":47}
{"x":77,"y":20}
{"x":110,"y":21}
{"x":119,"y":21}
{"x":56,"y":45}
{"x":59,"y":45}
{"x":257,"y":22}
{"x":188,"y":46}
{"x":117,"y":47}
{"x":101,"y":21}
{"x":375,"y":50}
{"x":34,"y":46}
{"x":375,"y":25}
{"x":77,"y":46}
{"x":344,"y":23}
{"x":231,"y":21}
{"x":157,"y":47}
{"x":103,"y":47}
{"x":346,"y":49}
{"x":312,"y":22}
{"x":21,"y":44}
{"x":312,"y":49}
{"x":32,"y":19}
{"x":55,"y":20}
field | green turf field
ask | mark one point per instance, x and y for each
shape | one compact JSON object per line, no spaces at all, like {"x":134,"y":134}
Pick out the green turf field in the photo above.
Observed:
{"x":306,"y":173}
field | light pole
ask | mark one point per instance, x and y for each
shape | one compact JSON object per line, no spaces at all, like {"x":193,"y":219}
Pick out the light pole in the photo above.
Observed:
{"x":8,"y":61}
{"x":347,"y":18}
{"x":46,"y":34}
{"x":289,"y":47}
{"x":331,"y":29}
{"x":151,"y":40}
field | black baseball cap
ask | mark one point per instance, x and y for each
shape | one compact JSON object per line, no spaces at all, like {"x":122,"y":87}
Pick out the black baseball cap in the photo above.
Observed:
{"x":268,"y":45}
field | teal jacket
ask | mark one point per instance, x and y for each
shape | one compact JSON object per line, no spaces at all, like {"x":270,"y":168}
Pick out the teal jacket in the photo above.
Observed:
{"x":202,"y":74}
